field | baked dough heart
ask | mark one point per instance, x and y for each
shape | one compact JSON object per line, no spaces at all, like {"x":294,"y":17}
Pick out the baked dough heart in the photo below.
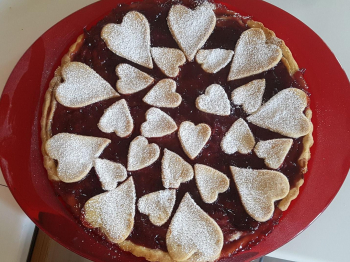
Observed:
{"x":131,"y":80}
{"x":75,"y":154}
{"x":113,"y":211}
{"x":253,"y":55}
{"x":192,"y":234}
{"x":109,"y":173}
{"x":117,"y":118}
{"x":158,"y":205}
{"x":141,"y":154}
{"x":163,"y":95}
{"x":191,"y":28}
{"x":210,"y":182}
{"x":283,"y":114}
{"x":238,"y":138}
{"x":214,"y":101}
{"x":157,"y":124}
{"x":259,"y":189}
{"x":168,"y":60}
{"x":193,"y":138}
{"x":273,"y":151}
{"x":250,"y":95}
{"x":213,"y":60}
{"x":82,"y":86}
{"x":175,"y":170}
{"x":130,"y":39}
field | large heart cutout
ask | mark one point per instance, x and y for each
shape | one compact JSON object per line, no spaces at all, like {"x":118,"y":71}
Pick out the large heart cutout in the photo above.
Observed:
{"x":75,"y":154}
{"x":82,"y":86}
{"x":109,"y":173}
{"x":192,"y":234}
{"x":117,"y":118}
{"x":283,"y":114}
{"x":157,"y":124}
{"x":131,"y":80}
{"x":113,"y":211}
{"x":191,"y":28}
{"x":214,"y":101}
{"x":175,"y":170}
{"x":130,"y":39}
{"x":213,"y":60}
{"x":141,"y":154}
{"x":163,"y":95}
{"x":158,"y":205}
{"x":193,"y":138}
{"x":238,"y":138}
{"x":253,"y":55}
{"x":259,"y":189}
{"x":168,"y":60}
{"x":210,"y":182}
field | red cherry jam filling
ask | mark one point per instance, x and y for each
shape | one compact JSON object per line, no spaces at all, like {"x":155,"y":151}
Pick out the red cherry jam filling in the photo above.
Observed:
{"x":192,"y":81}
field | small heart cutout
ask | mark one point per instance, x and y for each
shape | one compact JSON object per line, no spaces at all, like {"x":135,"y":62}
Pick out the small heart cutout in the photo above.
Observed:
{"x":253,"y":55}
{"x":191,"y":28}
{"x":141,"y":154}
{"x":210,"y":182}
{"x":193,"y":138}
{"x":131,"y":80}
{"x":250,"y":95}
{"x":175,"y":170}
{"x":82,"y":86}
{"x":163,"y":95}
{"x":168,"y":60}
{"x":238,"y":138}
{"x":192,"y":234}
{"x":214,"y":101}
{"x":117,"y":118}
{"x":109,"y":173}
{"x":213,"y":60}
{"x":259,"y":189}
{"x":273,"y":151}
{"x":75,"y":154}
{"x":158,"y":124}
{"x":158,"y":205}
{"x":113,"y":211}
{"x":130,"y":39}
{"x":283,"y":114}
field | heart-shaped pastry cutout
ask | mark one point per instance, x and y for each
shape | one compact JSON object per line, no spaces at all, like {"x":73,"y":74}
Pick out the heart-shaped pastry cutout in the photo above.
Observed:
{"x":82,"y":86}
{"x":210,"y":182}
{"x":253,"y":55}
{"x":117,"y":118}
{"x":213,"y":60}
{"x":163,"y":95}
{"x":157,"y":124}
{"x":75,"y":154}
{"x":259,"y":189}
{"x":250,"y":95}
{"x":168,"y":60}
{"x":191,"y":28}
{"x":192,"y":234}
{"x":141,"y":154}
{"x":130,"y":39}
{"x":238,"y":138}
{"x":283,"y":114}
{"x":109,"y":173}
{"x":158,"y":205}
{"x":273,"y":151}
{"x":113,"y":211}
{"x":131,"y":80}
{"x":193,"y":138}
{"x":175,"y":170}
{"x":214,"y":101}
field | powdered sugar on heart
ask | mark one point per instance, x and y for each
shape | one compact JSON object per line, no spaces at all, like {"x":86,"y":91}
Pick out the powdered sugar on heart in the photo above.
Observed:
{"x":214,"y":101}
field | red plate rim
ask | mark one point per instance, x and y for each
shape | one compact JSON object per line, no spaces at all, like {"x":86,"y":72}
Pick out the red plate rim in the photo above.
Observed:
{"x":20,"y":112}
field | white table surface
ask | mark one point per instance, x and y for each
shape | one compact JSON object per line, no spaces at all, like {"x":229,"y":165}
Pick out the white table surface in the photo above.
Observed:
{"x":23,"y":21}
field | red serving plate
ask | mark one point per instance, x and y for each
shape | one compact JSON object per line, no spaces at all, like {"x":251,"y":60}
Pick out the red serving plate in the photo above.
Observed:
{"x":21,"y":108}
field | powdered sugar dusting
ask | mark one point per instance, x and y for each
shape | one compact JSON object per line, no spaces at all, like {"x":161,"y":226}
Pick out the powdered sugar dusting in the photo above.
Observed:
{"x":109,"y":173}
{"x":214,"y":101}
{"x":158,"y":124}
{"x":168,"y":60}
{"x":213,"y":60}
